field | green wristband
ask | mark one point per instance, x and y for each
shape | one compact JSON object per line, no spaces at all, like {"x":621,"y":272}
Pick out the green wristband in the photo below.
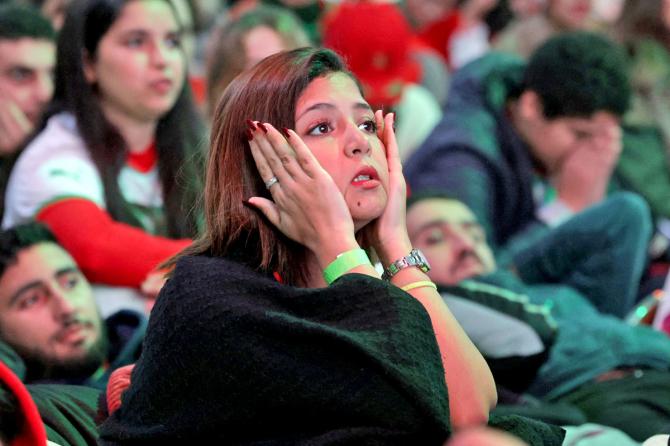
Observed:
{"x":345,"y":262}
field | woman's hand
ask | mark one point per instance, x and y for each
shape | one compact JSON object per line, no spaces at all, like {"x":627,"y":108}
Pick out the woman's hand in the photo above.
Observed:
{"x":306,"y":204}
{"x":388,"y":234}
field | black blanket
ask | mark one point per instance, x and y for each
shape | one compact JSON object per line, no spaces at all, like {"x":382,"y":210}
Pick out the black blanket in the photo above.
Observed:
{"x":234,"y":357}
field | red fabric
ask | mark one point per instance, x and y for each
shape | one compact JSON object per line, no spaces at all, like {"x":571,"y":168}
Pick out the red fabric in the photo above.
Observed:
{"x":33,"y":432}
{"x":437,"y":34}
{"x":118,"y":382}
{"x":106,"y":251}
{"x":143,"y":161}
{"x":381,"y":59}
{"x":199,"y":89}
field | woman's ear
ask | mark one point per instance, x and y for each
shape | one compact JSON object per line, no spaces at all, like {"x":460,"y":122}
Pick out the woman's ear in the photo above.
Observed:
{"x":88,"y":65}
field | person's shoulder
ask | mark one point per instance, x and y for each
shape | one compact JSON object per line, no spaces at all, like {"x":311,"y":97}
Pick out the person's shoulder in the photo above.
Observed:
{"x":59,"y":140}
{"x":212,"y":274}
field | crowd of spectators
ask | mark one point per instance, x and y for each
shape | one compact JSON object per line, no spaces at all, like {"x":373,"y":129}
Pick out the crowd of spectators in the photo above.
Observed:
{"x":173,"y":208}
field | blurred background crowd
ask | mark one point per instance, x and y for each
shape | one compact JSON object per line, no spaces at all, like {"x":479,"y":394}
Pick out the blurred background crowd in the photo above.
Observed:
{"x":543,"y":170}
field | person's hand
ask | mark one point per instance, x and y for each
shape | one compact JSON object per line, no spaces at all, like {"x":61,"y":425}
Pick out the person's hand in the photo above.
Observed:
{"x":584,"y":175}
{"x":388,"y":233}
{"x":153,"y":283}
{"x":14,"y":127}
{"x":306,"y":204}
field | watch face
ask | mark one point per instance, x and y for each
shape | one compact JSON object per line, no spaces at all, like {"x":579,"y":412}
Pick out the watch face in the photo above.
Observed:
{"x":421,"y":260}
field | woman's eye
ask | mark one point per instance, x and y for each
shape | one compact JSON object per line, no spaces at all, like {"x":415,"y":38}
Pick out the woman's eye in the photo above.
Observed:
{"x":173,"y":41}
{"x":320,"y":129}
{"x":369,"y":126}
{"x":134,"y":42}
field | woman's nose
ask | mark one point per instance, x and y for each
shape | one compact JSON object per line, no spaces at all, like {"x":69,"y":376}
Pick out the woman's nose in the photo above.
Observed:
{"x":357,"y":142}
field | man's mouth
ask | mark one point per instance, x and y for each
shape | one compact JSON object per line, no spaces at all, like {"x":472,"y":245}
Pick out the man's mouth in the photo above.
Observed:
{"x":73,"y":333}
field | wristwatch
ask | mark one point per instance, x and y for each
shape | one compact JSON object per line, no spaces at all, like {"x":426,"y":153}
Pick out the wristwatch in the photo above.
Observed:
{"x":415,"y":258}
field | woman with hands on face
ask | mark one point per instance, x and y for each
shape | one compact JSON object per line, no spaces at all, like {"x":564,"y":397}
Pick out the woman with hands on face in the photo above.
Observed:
{"x":274,"y":327}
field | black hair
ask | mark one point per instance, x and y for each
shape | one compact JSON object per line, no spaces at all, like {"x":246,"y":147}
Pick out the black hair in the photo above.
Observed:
{"x":20,"y":237}
{"x":179,"y":133}
{"x":578,"y":74}
{"x":428,"y":194}
{"x":23,"y":21}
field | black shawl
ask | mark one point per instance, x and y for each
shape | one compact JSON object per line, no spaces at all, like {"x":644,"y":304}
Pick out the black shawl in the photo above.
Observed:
{"x":234,"y":357}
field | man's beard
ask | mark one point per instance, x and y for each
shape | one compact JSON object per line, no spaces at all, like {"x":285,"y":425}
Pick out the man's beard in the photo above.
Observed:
{"x":43,"y":367}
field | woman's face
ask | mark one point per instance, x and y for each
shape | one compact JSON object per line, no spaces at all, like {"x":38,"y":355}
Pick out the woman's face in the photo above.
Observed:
{"x":139,"y":66}
{"x":665,"y":13}
{"x":259,"y":43}
{"x":570,"y":14}
{"x":339,"y":128}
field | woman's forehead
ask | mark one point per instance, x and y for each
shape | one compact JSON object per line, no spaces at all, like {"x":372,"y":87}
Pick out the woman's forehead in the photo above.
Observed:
{"x":338,"y":89}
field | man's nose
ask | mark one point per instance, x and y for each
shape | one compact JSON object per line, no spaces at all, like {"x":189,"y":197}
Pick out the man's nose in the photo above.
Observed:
{"x":62,"y":305}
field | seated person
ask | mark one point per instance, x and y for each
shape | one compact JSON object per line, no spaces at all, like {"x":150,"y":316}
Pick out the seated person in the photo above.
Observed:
{"x":239,"y":43}
{"x":51,"y":331}
{"x":27,"y":59}
{"x":614,"y":373}
{"x":527,"y":146}
{"x":525,"y":34}
{"x":120,"y":149}
{"x":275,"y":327}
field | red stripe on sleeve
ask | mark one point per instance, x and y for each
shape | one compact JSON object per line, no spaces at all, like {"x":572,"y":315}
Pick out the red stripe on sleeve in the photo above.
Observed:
{"x":107,"y":251}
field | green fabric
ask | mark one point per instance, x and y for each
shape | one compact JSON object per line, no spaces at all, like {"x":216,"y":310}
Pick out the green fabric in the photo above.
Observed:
{"x":638,"y":404}
{"x":68,"y":412}
{"x":12,"y":360}
{"x":643,"y":167}
{"x":233,"y":357}
{"x":510,"y":303}
{"x":588,"y":343}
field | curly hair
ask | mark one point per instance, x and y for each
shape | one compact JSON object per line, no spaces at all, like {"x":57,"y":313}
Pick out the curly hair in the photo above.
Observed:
{"x":578,"y":74}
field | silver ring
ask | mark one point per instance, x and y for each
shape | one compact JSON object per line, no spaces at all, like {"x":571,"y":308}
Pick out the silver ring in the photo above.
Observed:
{"x":271,"y":182}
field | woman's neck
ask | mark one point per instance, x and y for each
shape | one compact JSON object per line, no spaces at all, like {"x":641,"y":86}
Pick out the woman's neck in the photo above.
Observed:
{"x":136,"y":133}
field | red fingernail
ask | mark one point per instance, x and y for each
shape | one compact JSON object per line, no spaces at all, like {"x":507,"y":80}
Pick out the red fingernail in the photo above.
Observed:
{"x":251,"y":124}
{"x":285,"y":132}
{"x":250,"y":135}
{"x":262,"y":126}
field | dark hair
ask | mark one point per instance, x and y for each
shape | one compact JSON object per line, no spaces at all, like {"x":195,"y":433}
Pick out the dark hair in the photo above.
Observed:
{"x":578,"y":74}
{"x":21,"y":21}
{"x":20,"y":237}
{"x":268,"y":92}
{"x":179,"y":132}
{"x":227,"y":58}
{"x":428,"y":194}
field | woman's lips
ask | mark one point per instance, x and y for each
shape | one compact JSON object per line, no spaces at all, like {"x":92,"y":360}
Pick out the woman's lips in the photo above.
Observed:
{"x":162,"y":86}
{"x":367,"y":178}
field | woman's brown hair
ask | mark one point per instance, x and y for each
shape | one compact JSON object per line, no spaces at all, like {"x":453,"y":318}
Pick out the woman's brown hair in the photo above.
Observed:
{"x":227,"y":57}
{"x":268,"y":92}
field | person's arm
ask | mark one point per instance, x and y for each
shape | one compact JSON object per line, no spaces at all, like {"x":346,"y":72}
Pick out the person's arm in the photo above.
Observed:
{"x":107,"y":251}
{"x":326,"y":228}
{"x":469,"y":380}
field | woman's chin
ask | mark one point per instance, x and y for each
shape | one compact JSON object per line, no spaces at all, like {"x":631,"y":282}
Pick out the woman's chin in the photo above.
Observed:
{"x":362,"y":216}
{"x":366,"y":207}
